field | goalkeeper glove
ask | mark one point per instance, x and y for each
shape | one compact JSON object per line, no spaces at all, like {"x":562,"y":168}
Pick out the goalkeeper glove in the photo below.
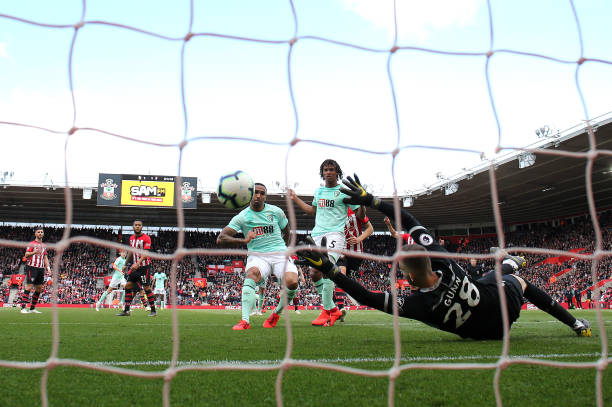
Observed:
{"x":318,"y":260}
{"x":357,"y":194}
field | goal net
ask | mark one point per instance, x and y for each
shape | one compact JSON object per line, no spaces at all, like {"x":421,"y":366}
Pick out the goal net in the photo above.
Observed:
{"x":399,"y":66}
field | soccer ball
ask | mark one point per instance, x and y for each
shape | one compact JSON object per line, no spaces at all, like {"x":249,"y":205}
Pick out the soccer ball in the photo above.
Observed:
{"x":235,"y":190}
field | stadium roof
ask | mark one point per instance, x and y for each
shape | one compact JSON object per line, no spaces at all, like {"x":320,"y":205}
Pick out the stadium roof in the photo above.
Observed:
{"x":554,"y":186}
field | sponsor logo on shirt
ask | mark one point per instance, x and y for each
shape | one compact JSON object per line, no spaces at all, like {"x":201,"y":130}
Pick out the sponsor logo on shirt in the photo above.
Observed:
{"x":261,"y":230}
{"x":326,"y":203}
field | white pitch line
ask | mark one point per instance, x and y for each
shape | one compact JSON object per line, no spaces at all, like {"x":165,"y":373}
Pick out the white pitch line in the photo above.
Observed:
{"x":334,"y":360}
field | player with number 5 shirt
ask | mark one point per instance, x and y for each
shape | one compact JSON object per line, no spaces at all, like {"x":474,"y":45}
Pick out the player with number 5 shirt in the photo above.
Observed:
{"x":330,"y":213}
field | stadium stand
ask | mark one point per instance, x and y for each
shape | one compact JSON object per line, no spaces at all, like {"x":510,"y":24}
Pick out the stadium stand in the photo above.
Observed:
{"x":84,"y":266}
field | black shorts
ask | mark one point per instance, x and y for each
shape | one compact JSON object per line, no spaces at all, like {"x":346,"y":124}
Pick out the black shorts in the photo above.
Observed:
{"x":35,"y":275}
{"x":141,"y":276}
{"x":341,"y":261}
{"x":352,"y":266}
{"x":514,"y":295}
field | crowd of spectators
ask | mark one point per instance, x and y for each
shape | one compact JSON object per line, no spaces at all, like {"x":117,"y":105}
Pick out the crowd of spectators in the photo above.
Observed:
{"x":606,"y":296}
{"x":80,"y":266}
{"x":83,"y":266}
{"x":567,"y":235}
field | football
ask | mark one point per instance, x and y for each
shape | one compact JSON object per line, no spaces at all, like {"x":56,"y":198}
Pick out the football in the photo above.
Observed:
{"x":235,"y":190}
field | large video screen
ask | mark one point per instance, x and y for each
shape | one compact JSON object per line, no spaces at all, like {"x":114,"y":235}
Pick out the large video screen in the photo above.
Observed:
{"x":157,"y":191}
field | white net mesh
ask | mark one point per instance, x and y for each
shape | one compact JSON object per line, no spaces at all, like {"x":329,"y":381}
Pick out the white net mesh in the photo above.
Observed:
{"x":290,"y":44}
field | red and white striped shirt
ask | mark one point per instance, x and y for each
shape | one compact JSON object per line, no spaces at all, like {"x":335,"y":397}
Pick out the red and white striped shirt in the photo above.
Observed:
{"x":36,"y":260}
{"x":407,"y":238}
{"x":141,"y":242}
{"x":353,"y":227}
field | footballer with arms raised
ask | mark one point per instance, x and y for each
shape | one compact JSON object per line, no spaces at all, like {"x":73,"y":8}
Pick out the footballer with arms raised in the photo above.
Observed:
{"x":139,"y":276}
{"x":266,"y":230}
{"x":36,"y":263}
{"x":446,"y":297}
{"x":406,"y":238}
{"x":330,"y":213}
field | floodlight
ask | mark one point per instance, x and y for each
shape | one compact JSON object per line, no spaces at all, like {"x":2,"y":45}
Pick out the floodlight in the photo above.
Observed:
{"x":408,"y":201}
{"x":205,"y":197}
{"x":87,"y":193}
{"x":451,"y":188}
{"x":526,"y":160}
{"x":543,"y":131}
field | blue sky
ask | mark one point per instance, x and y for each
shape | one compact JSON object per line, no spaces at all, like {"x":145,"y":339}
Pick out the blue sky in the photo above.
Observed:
{"x":129,"y":83}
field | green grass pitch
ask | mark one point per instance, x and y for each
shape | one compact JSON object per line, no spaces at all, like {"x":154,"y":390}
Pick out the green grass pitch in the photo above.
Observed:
{"x":364,"y":341}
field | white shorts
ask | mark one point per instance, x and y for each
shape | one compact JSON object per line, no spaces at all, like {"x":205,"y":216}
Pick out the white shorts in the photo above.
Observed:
{"x":335,"y":240}
{"x":267,"y":264}
{"x":160,"y":291}
{"x":116,"y":282}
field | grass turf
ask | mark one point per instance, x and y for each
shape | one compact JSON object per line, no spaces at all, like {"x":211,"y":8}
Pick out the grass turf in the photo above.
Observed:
{"x":364,"y":341}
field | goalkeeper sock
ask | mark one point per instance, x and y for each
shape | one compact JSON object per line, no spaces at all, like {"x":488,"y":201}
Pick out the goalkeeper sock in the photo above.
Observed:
{"x":547,"y":304}
{"x":260,"y":301}
{"x":123,"y":297}
{"x":101,"y":300}
{"x":281,"y":305}
{"x":328,"y":294}
{"x":509,"y":267}
{"x":248,"y":298}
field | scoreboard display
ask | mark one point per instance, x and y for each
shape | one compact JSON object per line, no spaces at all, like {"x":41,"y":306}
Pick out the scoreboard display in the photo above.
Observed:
{"x":159,"y":191}
{"x":138,"y":190}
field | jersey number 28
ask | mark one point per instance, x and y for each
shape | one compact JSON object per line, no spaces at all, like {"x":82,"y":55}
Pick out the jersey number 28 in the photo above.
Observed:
{"x":467,"y":292}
